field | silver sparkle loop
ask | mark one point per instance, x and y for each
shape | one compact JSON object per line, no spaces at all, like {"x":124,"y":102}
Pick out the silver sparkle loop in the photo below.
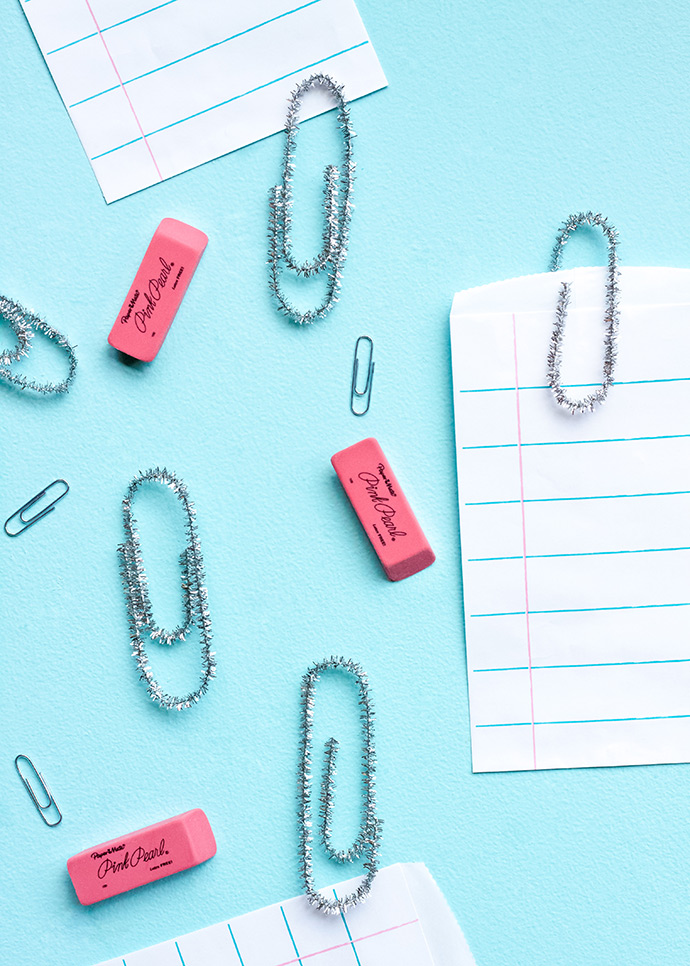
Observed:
{"x":369,"y":836}
{"x":141,"y":622}
{"x":23,"y":323}
{"x":611,"y":316}
{"x":337,"y":209}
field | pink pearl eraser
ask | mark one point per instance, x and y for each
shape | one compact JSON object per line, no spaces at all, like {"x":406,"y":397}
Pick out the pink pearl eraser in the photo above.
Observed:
{"x":157,"y":290}
{"x":140,"y":857}
{"x":383,"y":511}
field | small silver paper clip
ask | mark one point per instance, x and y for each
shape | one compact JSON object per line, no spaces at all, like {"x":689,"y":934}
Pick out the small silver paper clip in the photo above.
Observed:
{"x":356,"y":393}
{"x":32,"y":502}
{"x":41,"y":809}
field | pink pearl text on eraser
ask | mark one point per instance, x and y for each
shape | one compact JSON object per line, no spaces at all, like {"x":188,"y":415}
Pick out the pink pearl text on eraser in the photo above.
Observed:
{"x":383,"y":511}
{"x":140,"y":857}
{"x":157,"y":290}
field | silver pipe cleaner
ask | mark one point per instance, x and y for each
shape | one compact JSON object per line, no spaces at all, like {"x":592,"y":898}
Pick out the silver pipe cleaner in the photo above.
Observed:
{"x":136,"y":589}
{"x":369,"y":837}
{"x":611,"y":316}
{"x":337,"y":209}
{"x":23,"y":323}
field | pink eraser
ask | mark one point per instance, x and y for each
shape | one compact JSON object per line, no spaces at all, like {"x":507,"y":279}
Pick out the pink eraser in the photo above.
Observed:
{"x":140,"y":857}
{"x":383,"y":511}
{"x":157,"y":290}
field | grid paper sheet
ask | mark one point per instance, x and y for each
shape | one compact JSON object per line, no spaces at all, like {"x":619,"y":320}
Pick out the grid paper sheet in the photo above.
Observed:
{"x":575,"y":530}
{"x":155,"y":88}
{"x":384,"y":931}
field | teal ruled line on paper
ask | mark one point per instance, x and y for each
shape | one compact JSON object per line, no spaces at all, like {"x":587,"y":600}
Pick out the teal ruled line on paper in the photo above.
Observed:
{"x":579,"y":385}
{"x":110,"y":27}
{"x":237,"y":97}
{"x":226,"y":40}
{"x":582,"y":610}
{"x":234,"y":942}
{"x":579,"y":442}
{"x":570,"y":499}
{"x":202,"y":50}
{"x":349,"y":934}
{"x":292,"y":938}
{"x":556,"y":667}
{"x":528,"y":724}
{"x":179,"y":954}
{"x":584,"y":553}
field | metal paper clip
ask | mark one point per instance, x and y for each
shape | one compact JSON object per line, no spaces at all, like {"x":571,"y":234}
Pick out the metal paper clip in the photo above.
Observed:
{"x":356,"y":393}
{"x":41,"y":809}
{"x":32,"y":502}
{"x":587,"y":403}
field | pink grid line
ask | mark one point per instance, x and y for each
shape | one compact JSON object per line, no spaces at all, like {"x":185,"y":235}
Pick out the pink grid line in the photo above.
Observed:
{"x":524,"y":542}
{"x":124,"y":89}
{"x":320,"y":952}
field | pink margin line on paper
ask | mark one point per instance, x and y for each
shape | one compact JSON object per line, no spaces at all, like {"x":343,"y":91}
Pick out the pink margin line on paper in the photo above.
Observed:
{"x":524,"y":542}
{"x":320,"y":952}
{"x":124,"y":89}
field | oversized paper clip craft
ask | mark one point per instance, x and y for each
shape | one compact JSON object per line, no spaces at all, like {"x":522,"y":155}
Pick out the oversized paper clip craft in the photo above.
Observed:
{"x":369,"y":836}
{"x":337,"y":209}
{"x":141,"y":622}
{"x":42,"y":810}
{"x":611,"y":316}
{"x":365,"y":393}
{"x":32,"y":502}
{"x":23,"y":323}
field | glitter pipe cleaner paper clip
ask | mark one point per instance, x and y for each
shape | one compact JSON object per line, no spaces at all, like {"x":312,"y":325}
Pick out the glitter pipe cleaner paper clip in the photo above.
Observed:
{"x":337,"y":209}
{"x":135,"y":584}
{"x":611,"y":316}
{"x":369,"y":837}
{"x":22,"y":322}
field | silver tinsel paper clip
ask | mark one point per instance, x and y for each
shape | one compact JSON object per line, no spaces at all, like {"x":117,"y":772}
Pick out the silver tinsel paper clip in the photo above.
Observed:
{"x":135,"y":584}
{"x":369,"y":837}
{"x":611,"y":316}
{"x":22,"y":322}
{"x":337,"y":210}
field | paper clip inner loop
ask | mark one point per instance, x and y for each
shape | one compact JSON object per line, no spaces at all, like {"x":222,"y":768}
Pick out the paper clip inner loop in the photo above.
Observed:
{"x":32,"y":502}
{"x":364,"y":393}
{"x":41,"y":809}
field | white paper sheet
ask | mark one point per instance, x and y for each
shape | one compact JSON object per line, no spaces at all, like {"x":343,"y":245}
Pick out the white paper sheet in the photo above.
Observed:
{"x":155,"y":88}
{"x":575,"y":530}
{"x":388,"y":930}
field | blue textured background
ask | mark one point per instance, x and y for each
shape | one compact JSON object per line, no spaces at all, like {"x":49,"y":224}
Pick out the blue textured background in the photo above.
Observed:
{"x":500,"y":119}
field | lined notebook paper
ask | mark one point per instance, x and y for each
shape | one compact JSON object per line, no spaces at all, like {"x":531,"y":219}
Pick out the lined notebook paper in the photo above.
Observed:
{"x":155,"y":88}
{"x":388,"y":930}
{"x":575,"y":530}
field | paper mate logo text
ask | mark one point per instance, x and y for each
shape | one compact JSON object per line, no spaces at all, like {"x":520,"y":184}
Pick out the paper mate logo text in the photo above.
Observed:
{"x":381,"y":492}
{"x":113,"y":862}
{"x":130,"y":305}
